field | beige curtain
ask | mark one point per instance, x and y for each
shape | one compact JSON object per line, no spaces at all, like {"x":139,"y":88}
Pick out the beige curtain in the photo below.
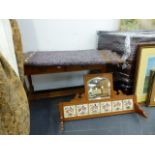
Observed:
{"x":18,"y":47}
{"x":14,"y":108}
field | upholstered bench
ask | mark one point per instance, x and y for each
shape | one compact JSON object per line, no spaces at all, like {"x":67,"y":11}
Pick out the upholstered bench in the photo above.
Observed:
{"x":43,"y":62}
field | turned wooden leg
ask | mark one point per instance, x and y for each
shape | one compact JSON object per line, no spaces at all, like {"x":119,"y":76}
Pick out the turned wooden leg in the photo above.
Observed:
{"x":31,"y":88}
{"x":61,"y":117}
{"x":62,"y":125}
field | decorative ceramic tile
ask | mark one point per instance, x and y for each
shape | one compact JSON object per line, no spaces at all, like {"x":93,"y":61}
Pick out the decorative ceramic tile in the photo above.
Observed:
{"x":94,"y":108}
{"x":105,"y":107}
{"x":116,"y":105}
{"x":69,"y":111}
{"x":82,"y":109}
{"x":128,"y":104}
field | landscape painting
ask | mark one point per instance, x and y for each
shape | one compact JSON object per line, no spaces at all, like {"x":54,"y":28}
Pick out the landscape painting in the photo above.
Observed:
{"x":150,"y":65}
{"x":137,"y":24}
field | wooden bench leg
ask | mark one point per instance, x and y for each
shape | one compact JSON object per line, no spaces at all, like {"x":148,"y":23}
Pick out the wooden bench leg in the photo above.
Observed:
{"x":31,"y":88}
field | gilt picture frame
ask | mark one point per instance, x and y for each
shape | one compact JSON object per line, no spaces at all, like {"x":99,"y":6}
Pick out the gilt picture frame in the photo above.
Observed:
{"x":145,"y":62}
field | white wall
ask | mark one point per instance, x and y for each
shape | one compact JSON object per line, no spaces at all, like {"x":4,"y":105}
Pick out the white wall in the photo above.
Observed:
{"x":42,"y":35}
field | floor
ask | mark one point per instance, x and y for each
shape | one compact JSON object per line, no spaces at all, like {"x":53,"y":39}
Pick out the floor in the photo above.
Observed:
{"x":45,"y":121}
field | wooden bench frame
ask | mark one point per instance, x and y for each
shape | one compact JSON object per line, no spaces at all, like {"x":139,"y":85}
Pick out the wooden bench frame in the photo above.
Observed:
{"x":36,"y":70}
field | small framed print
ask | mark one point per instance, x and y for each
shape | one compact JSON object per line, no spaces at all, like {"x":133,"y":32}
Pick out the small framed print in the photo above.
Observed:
{"x":82,"y":109}
{"x":145,"y":63}
{"x":69,"y":111}
{"x":105,"y":107}
{"x":116,"y":105}
{"x":128,"y":104}
{"x":151,"y":90}
{"x":94,"y":108}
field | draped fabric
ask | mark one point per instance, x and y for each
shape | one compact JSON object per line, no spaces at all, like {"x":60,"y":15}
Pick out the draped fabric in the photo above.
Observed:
{"x":14,"y":108}
{"x":7,"y":45}
{"x":18,"y":47}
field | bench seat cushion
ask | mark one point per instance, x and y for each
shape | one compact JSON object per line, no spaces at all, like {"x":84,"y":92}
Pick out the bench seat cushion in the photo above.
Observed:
{"x":67,"y":58}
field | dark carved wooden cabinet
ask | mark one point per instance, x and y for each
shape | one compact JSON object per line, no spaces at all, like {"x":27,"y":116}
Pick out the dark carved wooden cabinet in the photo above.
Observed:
{"x":125,"y":44}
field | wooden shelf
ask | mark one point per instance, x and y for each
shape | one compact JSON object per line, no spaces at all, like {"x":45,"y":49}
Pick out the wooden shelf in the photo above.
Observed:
{"x":36,"y":95}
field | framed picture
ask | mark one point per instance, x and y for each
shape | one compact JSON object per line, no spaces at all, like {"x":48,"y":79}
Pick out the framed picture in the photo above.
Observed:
{"x":98,"y":86}
{"x":137,"y":24}
{"x":151,"y":95}
{"x":145,"y":63}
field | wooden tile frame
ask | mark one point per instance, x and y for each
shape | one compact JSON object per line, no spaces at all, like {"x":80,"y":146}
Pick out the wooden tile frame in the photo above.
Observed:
{"x":75,"y":102}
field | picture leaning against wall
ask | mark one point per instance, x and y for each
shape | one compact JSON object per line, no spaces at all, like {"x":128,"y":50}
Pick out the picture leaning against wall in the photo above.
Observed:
{"x":137,"y":24}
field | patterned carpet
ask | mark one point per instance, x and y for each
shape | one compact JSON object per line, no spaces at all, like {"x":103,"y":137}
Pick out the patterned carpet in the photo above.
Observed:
{"x":45,"y":121}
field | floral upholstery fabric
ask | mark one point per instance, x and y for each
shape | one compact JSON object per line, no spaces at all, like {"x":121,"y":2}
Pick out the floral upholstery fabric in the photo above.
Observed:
{"x":14,"y":108}
{"x":18,"y":47}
